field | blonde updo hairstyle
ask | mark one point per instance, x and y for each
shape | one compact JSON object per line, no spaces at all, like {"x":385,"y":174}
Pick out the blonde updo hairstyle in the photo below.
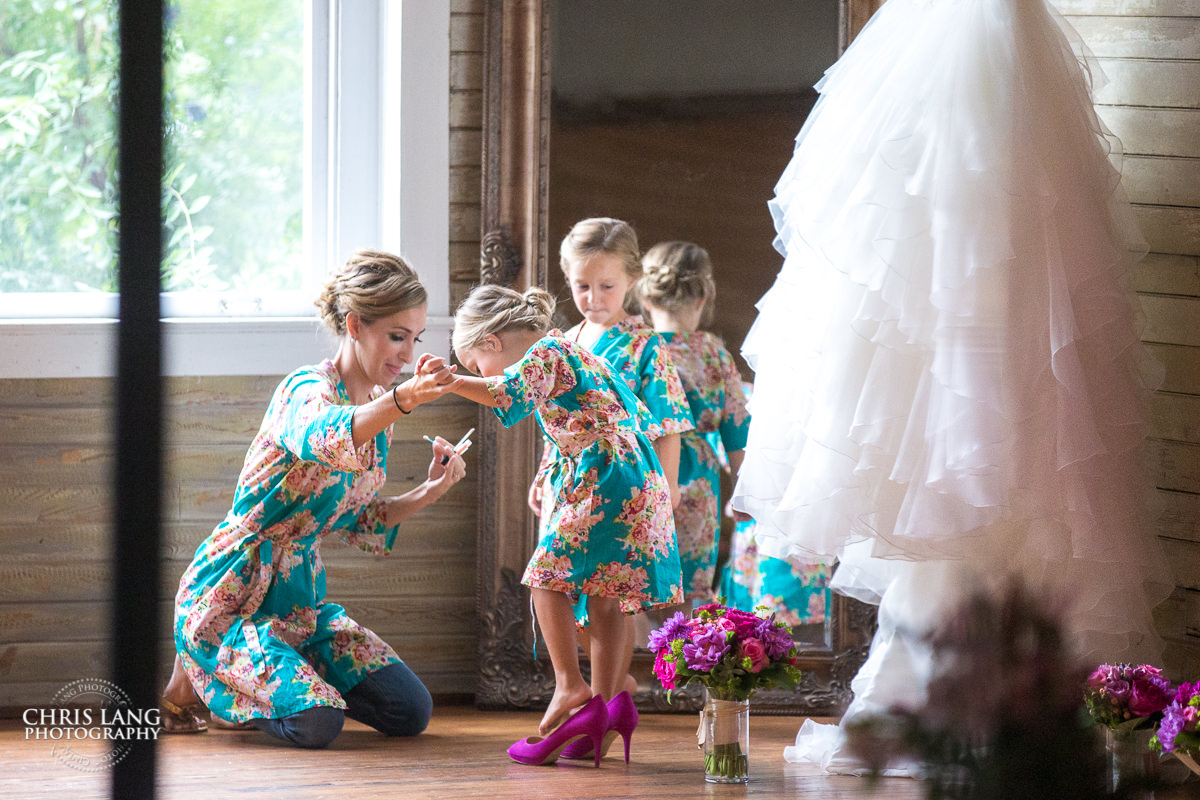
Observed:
{"x":493,"y":309}
{"x":371,"y":284}
{"x":676,"y":275}
{"x":590,"y":237}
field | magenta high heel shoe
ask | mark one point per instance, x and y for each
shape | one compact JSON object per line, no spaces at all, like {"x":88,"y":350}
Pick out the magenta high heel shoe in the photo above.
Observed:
{"x":622,"y":719}
{"x":589,"y":723}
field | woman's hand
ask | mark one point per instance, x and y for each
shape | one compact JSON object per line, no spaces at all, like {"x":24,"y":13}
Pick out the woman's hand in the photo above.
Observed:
{"x":535,"y":497}
{"x":432,"y":378}
{"x":441,"y":478}
{"x":446,"y":469}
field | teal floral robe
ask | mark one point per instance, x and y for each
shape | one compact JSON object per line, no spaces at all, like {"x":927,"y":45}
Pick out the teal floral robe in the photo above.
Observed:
{"x":607,"y":528}
{"x":796,"y":590}
{"x":635,"y":352}
{"x":252,"y":626}
{"x":717,"y":400}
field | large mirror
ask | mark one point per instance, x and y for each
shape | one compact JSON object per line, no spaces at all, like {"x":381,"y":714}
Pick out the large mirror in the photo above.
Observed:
{"x":678,"y":117}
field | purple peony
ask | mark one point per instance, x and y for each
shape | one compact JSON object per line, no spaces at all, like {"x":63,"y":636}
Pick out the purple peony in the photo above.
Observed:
{"x":707,"y":647}
{"x":777,"y":641}
{"x":674,"y":628}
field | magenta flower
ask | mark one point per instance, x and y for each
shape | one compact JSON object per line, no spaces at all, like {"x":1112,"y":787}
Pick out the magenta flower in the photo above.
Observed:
{"x":1150,"y":691}
{"x":665,"y":672}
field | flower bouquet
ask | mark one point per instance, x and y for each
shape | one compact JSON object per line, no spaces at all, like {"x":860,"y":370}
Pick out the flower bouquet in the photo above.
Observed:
{"x":1179,"y":731}
{"x":1128,"y":701}
{"x":733,"y":654}
{"x":1125,"y":698}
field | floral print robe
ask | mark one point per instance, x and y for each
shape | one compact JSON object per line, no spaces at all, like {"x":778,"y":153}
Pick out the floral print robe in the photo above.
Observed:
{"x":798,"y":591}
{"x":607,"y":528}
{"x":636,"y":353}
{"x":714,"y":392}
{"x":252,"y":626}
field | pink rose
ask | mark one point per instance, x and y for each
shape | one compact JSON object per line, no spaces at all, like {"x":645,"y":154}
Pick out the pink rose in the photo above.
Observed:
{"x":756,"y":652}
{"x":664,"y":671}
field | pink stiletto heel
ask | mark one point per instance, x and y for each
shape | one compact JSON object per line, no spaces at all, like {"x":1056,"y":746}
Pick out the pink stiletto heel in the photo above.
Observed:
{"x":622,"y":719}
{"x":589,"y":723}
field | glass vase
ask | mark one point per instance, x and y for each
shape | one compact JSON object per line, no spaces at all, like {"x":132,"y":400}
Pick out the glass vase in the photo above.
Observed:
{"x":725,"y":739}
{"x":1132,"y":765}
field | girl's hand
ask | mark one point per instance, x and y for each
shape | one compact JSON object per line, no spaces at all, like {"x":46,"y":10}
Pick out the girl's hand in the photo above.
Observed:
{"x":435,"y":367}
{"x":432,"y":378}
{"x":535,"y":498}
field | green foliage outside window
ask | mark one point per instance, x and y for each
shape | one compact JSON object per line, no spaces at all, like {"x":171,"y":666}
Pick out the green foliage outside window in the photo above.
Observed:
{"x":233,"y":178}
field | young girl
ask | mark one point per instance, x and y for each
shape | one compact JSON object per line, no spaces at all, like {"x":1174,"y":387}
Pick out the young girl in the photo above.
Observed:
{"x":677,"y":291}
{"x":600,"y":260}
{"x":607,"y":530}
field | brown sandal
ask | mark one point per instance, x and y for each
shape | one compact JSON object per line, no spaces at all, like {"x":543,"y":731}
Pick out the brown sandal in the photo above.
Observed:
{"x":181,"y":719}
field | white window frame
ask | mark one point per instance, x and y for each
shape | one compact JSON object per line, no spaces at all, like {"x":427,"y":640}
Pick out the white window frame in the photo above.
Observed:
{"x":384,"y":186}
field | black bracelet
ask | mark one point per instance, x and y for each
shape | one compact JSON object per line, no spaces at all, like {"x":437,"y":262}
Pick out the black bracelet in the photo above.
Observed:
{"x":396,"y":400}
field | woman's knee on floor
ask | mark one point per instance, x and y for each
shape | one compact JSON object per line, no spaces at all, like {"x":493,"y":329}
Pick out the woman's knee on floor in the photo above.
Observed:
{"x":313,"y":728}
{"x":391,"y":700}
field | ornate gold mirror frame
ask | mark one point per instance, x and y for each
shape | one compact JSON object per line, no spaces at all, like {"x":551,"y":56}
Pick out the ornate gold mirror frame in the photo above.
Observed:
{"x":515,"y":186}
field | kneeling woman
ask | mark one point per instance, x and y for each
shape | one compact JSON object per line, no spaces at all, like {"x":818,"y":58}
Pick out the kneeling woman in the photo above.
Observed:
{"x":257,"y":642}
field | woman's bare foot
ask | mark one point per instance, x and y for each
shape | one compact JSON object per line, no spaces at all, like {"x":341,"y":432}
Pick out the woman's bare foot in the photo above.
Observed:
{"x":630,"y":684}
{"x":561,"y":705}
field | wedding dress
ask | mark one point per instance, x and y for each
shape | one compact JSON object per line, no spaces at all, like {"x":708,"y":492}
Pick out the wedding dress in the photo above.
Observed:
{"x":949,"y":381}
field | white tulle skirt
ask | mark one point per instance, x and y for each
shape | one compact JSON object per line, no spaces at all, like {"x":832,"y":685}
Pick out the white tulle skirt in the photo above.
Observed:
{"x":948,"y":368}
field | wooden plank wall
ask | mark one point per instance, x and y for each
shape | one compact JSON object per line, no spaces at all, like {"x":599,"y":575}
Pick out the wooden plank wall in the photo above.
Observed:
{"x":1150,"y":50}
{"x":56,"y":466}
{"x":466,"y":144}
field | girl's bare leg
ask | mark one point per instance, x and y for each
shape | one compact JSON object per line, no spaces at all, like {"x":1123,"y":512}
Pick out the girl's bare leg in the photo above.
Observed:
{"x":557,"y":621}
{"x":612,"y":645}
{"x":629,"y":684}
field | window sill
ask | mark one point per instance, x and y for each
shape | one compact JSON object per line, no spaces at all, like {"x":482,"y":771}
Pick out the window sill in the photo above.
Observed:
{"x":58,"y":348}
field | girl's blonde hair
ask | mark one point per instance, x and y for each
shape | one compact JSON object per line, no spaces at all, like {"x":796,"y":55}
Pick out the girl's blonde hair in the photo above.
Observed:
{"x":596,"y":235}
{"x":493,"y":309}
{"x":676,"y":275}
{"x":371,"y":284}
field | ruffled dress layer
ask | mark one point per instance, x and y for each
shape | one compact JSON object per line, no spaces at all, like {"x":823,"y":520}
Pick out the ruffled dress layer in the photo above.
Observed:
{"x":948,"y":370}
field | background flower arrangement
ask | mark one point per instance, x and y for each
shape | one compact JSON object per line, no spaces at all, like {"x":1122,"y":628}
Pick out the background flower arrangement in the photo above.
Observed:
{"x":1178,"y":731}
{"x":1002,"y":717}
{"x":1125,"y":698}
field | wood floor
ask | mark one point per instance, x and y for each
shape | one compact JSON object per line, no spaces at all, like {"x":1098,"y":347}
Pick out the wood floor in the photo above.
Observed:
{"x":461,"y":755}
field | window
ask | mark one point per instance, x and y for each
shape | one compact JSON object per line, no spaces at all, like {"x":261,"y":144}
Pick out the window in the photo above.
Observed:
{"x":299,"y":130}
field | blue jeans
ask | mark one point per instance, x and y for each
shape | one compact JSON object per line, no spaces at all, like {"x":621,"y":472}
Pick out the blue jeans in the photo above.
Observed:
{"x":391,"y":700}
